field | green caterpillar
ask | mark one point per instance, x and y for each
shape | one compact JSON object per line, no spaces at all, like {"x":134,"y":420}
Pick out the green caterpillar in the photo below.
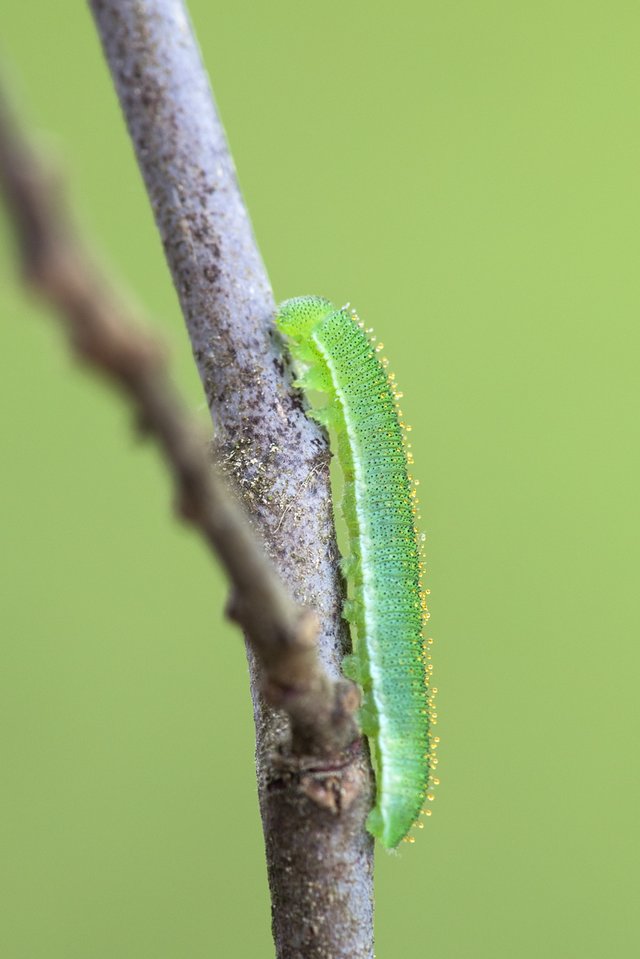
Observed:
{"x":387,"y":603}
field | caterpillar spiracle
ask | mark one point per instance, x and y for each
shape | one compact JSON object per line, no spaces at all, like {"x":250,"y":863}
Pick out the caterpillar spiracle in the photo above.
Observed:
{"x":386,"y":608}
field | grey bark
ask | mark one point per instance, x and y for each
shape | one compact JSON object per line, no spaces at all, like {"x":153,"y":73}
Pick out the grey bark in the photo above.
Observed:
{"x":313,"y":801}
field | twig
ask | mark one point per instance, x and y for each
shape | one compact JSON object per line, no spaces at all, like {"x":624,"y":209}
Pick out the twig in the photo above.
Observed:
{"x":105,"y":335}
{"x":319,"y":857}
{"x":315,"y":792}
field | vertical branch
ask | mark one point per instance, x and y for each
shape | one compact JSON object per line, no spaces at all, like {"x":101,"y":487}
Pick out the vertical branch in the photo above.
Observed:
{"x":313,"y":802}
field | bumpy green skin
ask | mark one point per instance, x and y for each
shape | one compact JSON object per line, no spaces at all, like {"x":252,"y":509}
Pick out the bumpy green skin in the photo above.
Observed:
{"x":386,"y":605}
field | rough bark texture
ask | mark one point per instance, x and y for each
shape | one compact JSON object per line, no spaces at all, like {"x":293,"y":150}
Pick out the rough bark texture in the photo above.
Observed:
{"x":313,"y":805}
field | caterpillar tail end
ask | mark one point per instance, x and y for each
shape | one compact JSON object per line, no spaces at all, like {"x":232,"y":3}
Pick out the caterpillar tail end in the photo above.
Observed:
{"x":386,"y":831}
{"x":380,"y":829}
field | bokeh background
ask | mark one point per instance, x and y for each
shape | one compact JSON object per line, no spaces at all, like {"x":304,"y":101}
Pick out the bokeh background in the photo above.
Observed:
{"x":466,"y":174}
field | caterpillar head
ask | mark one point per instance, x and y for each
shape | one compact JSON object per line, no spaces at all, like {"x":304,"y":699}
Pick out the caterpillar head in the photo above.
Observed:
{"x":297,"y":317}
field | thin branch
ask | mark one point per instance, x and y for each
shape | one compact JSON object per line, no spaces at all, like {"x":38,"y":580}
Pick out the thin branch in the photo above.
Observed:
{"x":105,"y":335}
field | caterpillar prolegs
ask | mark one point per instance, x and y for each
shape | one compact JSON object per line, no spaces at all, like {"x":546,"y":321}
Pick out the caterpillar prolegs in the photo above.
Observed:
{"x":386,"y":608}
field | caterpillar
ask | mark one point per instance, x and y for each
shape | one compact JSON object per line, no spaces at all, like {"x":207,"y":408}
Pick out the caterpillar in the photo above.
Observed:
{"x":386,"y":605}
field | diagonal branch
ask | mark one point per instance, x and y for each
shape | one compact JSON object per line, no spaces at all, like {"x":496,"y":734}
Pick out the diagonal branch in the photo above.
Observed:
{"x":105,"y":335}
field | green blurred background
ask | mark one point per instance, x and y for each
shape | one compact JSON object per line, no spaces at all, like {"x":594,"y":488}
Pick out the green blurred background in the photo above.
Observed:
{"x":466,"y":174}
